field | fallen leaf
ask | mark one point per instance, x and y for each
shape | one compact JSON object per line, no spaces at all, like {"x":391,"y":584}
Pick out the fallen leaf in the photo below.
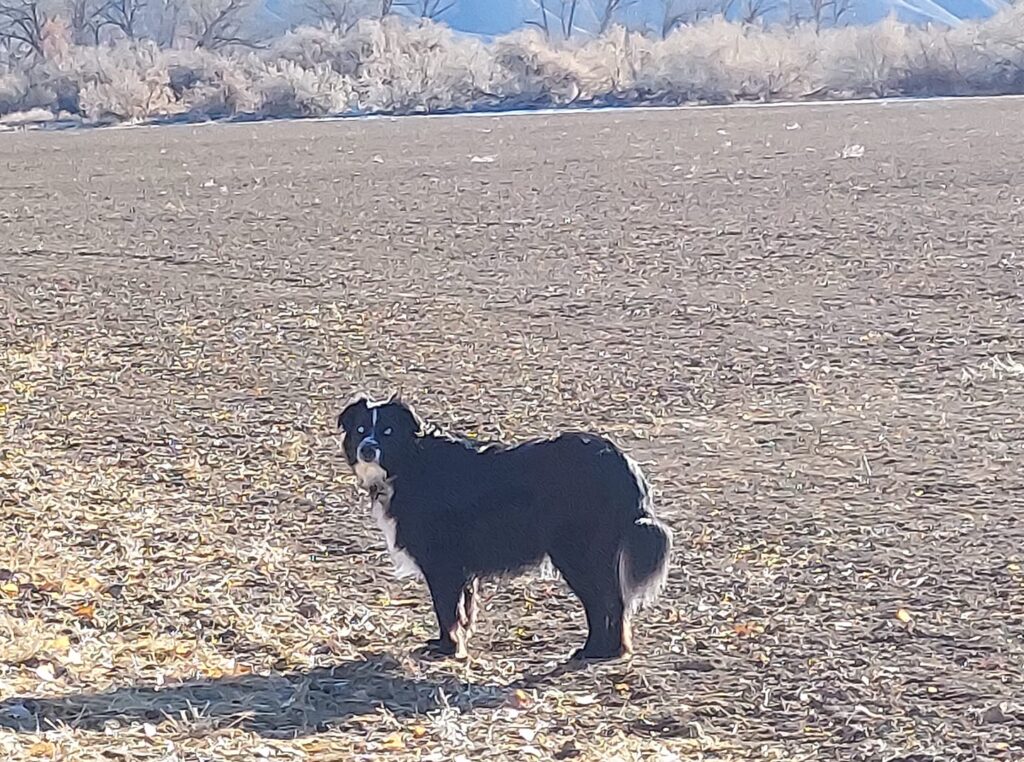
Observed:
{"x":60,"y":643}
{"x":45,"y":673}
{"x":10,"y":589}
{"x":316,"y":745}
{"x":393,"y":742}
{"x":149,"y":729}
{"x":404,"y":602}
{"x":419,"y":731}
{"x":85,"y":611}
{"x":586,"y":700}
{"x":622,"y":687}
{"x":904,"y":616}
{"x":746,"y":629}
{"x":521,"y":699}
{"x":41,"y":749}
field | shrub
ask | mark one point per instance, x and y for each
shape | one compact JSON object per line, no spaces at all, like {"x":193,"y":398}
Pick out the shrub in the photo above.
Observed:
{"x":397,"y":66}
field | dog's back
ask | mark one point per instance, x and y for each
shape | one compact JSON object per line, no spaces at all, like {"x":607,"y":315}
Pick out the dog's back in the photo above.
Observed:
{"x":500,"y":509}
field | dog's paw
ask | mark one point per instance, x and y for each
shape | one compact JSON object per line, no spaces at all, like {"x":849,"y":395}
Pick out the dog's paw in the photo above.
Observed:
{"x":437,"y":647}
{"x":598,"y":654}
{"x":441,"y":646}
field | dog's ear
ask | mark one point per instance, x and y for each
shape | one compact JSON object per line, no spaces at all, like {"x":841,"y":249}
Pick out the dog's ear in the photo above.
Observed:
{"x":353,"y":406}
{"x":415,"y":422}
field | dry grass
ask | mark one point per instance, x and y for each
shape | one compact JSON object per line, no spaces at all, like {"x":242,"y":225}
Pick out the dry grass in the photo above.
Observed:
{"x":779,"y":335}
{"x":158,"y":600}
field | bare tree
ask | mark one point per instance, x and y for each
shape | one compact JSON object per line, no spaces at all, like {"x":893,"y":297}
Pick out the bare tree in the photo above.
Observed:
{"x":561,"y":11}
{"x":567,"y":16}
{"x":817,"y":10}
{"x":610,"y":10}
{"x":427,"y":9}
{"x":542,"y":22}
{"x":752,"y":11}
{"x":124,"y":15}
{"x":840,"y":8}
{"x":167,"y":21}
{"x":22,"y":26}
{"x":342,"y":15}
{"x":84,"y":20}
{"x":677,"y":13}
{"x":821,"y":13}
{"x":219,"y":24}
{"x":387,"y":7}
{"x":673,"y":15}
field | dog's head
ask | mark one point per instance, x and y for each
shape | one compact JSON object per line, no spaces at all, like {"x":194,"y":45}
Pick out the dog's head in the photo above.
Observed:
{"x":376,"y":436}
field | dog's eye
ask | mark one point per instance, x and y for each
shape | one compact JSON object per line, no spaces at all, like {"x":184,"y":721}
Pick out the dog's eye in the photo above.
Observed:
{"x":387,"y":431}
{"x":361,"y":430}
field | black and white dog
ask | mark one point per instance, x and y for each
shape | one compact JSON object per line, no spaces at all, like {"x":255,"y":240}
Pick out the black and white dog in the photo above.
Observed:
{"x":454,"y":510}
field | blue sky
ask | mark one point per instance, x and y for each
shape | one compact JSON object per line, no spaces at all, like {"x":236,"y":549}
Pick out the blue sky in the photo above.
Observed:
{"x":497,"y":16}
{"x":490,"y":17}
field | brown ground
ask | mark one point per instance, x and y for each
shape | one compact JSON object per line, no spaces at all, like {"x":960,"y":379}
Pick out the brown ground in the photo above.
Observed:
{"x":818,"y":360}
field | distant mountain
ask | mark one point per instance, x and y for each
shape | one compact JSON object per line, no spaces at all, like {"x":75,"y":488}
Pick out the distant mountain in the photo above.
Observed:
{"x":491,"y":17}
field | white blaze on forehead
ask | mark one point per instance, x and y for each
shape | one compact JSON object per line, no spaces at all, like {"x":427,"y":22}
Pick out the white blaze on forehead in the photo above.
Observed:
{"x":372,"y":435}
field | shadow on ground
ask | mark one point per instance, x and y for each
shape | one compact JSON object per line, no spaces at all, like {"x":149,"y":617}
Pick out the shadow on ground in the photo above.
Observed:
{"x":276,"y":706}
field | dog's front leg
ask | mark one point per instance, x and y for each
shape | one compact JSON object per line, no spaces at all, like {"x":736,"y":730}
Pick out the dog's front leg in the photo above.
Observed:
{"x":446,"y":590}
{"x":468,"y":605}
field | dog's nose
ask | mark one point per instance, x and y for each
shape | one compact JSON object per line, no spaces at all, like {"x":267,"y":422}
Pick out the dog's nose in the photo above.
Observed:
{"x":369,"y":451}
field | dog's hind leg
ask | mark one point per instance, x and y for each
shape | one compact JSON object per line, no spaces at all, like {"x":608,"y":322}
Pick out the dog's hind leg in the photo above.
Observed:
{"x":593,"y":578}
{"x":468,"y":605}
{"x":447,"y":591}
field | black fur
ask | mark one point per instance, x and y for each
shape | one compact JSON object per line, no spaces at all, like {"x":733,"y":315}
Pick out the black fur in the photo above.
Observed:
{"x":464,"y":510}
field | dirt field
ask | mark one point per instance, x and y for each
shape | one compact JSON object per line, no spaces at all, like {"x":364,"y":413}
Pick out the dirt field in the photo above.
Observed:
{"x":818,"y":360}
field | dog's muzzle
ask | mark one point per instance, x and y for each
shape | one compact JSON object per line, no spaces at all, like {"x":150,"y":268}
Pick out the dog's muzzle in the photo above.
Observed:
{"x":368,"y":451}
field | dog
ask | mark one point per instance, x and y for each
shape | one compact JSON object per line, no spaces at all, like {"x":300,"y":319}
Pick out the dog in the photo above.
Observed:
{"x":454,"y":510}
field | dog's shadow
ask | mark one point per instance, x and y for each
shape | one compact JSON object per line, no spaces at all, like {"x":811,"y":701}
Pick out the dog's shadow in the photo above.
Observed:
{"x":276,"y":706}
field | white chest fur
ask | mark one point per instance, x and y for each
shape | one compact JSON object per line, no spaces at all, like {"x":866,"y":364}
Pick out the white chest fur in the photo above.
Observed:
{"x":370,"y":475}
{"x":405,"y":565}
{"x":373,"y":478}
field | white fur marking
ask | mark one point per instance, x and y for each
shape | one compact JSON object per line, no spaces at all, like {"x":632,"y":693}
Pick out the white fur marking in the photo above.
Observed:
{"x":405,"y":565}
{"x":369,"y":474}
{"x":641,"y":481}
{"x":547,"y":569}
{"x":649,"y":592}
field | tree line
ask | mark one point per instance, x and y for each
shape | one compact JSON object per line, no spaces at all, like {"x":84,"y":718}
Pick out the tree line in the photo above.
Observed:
{"x":25,"y":25}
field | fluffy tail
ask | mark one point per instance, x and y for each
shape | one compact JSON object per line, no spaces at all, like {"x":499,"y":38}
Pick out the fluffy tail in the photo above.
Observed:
{"x":643,"y":562}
